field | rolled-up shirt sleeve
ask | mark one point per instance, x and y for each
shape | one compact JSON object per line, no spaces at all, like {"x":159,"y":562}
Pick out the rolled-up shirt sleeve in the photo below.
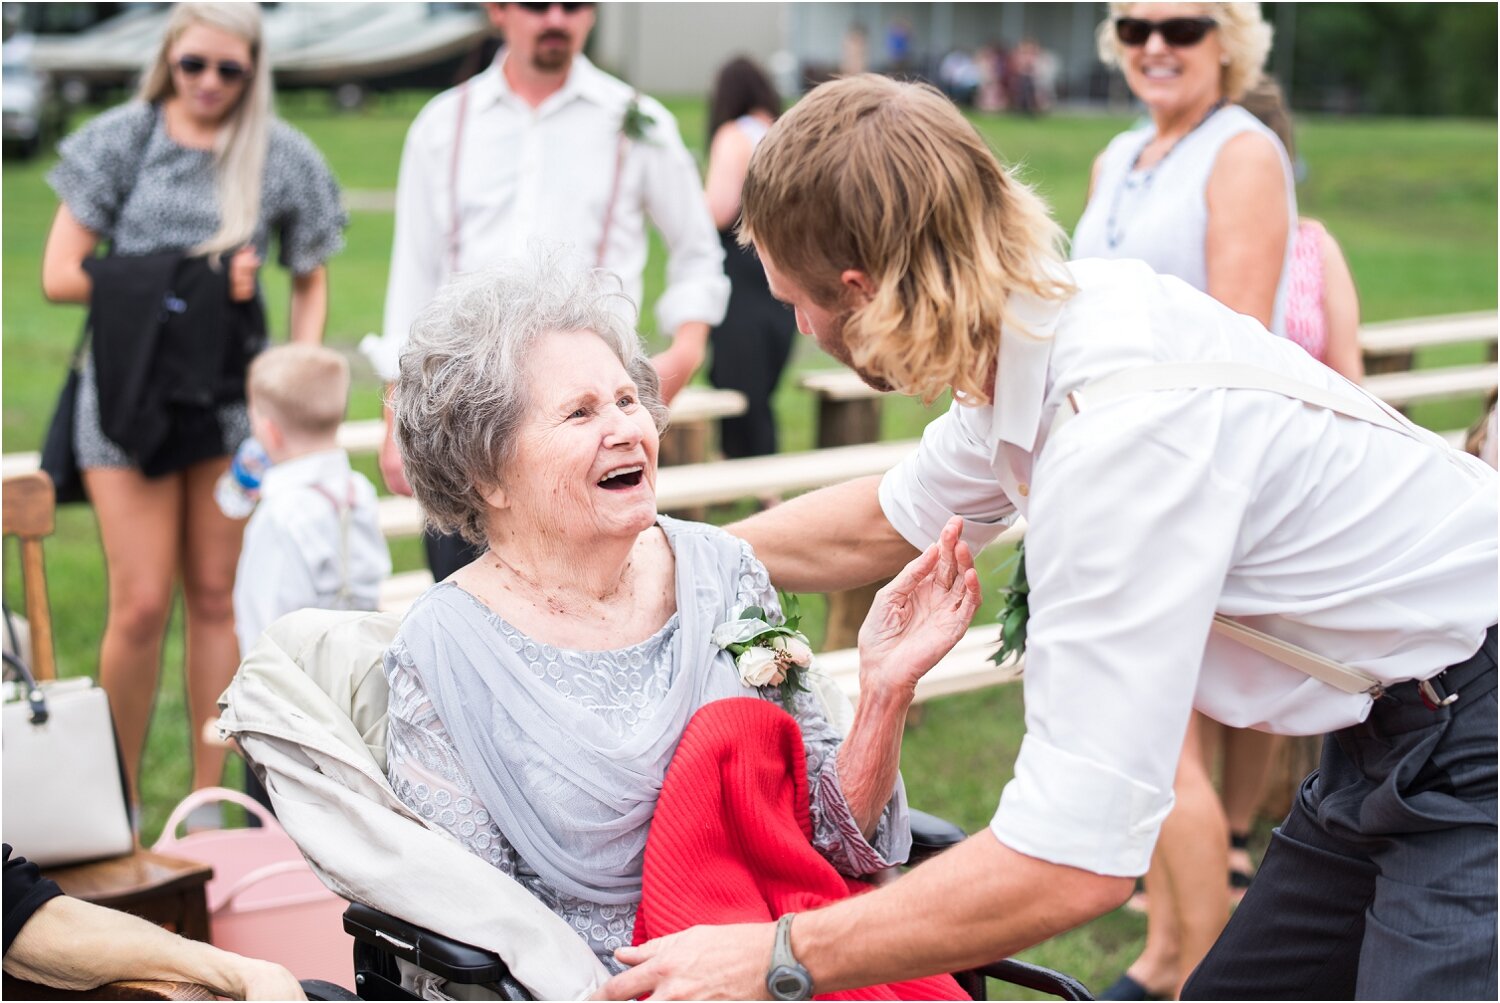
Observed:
{"x":696,"y":287}
{"x":1132,"y":532}
{"x":950,"y":474}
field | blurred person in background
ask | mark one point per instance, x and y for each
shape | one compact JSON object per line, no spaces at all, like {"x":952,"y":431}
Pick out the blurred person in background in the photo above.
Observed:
{"x":752,"y":345}
{"x":543,"y":144}
{"x":196,"y":165}
{"x":1322,"y":305}
{"x":1202,"y":191}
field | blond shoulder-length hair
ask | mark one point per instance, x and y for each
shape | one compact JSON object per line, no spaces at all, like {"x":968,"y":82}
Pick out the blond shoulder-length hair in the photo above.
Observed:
{"x":890,"y":179}
{"x":240,"y":150}
{"x":1243,"y":34}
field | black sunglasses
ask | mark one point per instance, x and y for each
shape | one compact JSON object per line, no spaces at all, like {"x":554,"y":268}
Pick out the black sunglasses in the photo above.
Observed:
{"x":1179,"y":32}
{"x":542,"y":8}
{"x":229,"y":72}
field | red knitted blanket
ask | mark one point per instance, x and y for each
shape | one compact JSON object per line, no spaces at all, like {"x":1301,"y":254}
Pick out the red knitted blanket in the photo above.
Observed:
{"x":731,"y":841}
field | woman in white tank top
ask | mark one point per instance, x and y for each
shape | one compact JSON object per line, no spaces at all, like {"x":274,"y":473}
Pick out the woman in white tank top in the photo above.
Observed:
{"x":1203,"y":191}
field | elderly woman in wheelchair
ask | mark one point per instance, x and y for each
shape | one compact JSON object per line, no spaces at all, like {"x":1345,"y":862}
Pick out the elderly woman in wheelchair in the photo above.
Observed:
{"x":539,"y":695}
{"x":588,"y":765}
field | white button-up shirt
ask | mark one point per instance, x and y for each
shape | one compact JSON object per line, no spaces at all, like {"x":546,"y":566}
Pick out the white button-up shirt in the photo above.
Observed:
{"x":526,"y":174}
{"x":1150,"y":513}
{"x":291,"y":557}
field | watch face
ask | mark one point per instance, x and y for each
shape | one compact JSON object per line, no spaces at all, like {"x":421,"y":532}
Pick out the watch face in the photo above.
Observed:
{"x":787,"y":983}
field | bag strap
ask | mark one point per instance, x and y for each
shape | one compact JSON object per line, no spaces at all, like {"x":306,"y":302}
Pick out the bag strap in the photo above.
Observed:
{"x":1237,"y":376}
{"x":34,"y":694}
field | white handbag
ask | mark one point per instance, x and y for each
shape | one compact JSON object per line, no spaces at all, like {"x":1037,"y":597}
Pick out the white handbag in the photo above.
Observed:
{"x":64,"y":790}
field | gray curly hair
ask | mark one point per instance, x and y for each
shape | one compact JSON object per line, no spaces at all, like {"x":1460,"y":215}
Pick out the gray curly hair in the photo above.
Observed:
{"x":462,"y":393}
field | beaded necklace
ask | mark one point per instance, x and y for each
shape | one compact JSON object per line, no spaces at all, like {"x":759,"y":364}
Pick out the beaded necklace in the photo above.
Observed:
{"x":1114,"y":234}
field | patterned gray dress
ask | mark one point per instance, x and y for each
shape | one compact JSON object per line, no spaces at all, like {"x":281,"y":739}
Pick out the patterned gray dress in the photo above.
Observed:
{"x":427,"y":773}
{"x":125,"y":179}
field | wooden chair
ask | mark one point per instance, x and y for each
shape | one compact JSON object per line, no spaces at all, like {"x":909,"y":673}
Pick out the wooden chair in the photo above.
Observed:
{"x":156,"y":887}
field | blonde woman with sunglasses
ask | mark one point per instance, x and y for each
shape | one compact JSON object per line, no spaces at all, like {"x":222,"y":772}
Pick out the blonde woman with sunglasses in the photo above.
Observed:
{"x":196,"y":165}
{"x":1200,"y":190}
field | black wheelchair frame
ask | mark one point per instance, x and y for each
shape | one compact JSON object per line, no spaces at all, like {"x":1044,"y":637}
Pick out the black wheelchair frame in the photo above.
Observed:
{"x":380,"y":939}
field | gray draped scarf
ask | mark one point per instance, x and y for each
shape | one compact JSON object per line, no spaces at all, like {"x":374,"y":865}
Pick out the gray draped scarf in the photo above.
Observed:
{"x":571,"y":794}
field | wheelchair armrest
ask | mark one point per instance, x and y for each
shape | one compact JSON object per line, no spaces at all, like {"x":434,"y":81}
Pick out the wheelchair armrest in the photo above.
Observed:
{"x":931,"y":835}
{"x":1036,"y":978}
{"x":442,"y":956}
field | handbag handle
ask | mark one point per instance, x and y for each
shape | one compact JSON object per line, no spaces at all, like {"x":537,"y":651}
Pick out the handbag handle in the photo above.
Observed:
{"x":255,"y":877}
{"x":210,"y":795}
{"x":34,"y":695}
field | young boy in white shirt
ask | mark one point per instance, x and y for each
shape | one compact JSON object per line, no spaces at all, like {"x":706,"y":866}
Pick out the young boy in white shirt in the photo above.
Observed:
{"x":314,"y":538}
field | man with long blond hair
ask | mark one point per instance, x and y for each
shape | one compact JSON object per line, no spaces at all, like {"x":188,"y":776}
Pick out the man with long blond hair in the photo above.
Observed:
{"x":1170,"y":456}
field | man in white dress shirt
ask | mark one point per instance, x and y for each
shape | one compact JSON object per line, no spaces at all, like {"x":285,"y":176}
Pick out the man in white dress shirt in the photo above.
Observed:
{"x":544,"y":146}
{"x":1185,"y":476}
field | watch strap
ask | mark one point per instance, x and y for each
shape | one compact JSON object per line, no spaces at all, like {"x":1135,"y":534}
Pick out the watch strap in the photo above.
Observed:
{"x":781,"y":953}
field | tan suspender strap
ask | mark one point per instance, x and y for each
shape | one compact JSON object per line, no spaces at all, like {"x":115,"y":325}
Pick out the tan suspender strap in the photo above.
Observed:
{"x":1361,"y":405}
{"x":454,"y":240}
{"x":1335,"y":674}
{"x":1237,"y":376}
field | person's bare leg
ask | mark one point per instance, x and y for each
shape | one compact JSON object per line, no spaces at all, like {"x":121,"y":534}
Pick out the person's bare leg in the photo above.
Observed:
{"x":140,"y":528}
{"x":1156,"y":967}
{"x":211,"y":549}
{"x":1248,"y":756}
{"x":1187,"y":894}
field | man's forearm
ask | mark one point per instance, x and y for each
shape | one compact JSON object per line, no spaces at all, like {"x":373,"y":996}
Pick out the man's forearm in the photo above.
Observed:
{"x":826,"y":540}
{"x":979,"y":902}
{"x":71,"y":944}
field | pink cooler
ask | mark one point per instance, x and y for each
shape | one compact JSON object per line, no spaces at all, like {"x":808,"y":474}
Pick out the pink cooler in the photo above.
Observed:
{"x":264,"y":900}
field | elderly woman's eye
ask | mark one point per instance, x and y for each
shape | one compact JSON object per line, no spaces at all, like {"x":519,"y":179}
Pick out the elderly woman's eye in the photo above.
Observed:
{"x":581,"y":412}
{"x":627,"y":401}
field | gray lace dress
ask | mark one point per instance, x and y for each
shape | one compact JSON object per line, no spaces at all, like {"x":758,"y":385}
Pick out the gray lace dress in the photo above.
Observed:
{"x":125,"y":179}
{"x":620,"y":686}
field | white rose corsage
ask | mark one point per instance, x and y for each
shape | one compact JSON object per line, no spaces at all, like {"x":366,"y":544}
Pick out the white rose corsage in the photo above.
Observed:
{"x":766,"y":653}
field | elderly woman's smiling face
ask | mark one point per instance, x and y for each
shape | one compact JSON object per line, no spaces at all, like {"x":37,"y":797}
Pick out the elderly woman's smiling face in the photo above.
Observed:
{"x":585,"y":459}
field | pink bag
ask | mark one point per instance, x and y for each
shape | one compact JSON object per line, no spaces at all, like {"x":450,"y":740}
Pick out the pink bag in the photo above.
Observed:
{"x":264,"y":900}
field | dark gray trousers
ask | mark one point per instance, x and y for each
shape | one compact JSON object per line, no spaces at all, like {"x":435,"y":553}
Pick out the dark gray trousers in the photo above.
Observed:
{"x":1381,"y":884}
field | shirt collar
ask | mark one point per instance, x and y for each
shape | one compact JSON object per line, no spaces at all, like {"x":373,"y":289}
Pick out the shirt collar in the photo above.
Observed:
{"x":1021,"y":369}
{"x":585,"y":81}
{"x":305,"y":471}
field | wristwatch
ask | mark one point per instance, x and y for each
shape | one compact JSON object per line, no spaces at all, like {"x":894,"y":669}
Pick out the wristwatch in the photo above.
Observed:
{"x":787,"y":980}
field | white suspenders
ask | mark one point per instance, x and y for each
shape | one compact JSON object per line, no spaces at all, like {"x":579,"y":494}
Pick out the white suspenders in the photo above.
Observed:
{"x":1239,"y":376}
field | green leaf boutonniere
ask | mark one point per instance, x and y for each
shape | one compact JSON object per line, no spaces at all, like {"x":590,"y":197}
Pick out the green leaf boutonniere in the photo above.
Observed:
{"x":1014,"y":613}
{"x":766,"y":653}
{"x":637,"y":121}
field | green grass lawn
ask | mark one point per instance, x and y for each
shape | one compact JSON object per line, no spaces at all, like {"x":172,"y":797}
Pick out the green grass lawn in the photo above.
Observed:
{"x":1412,"y":201}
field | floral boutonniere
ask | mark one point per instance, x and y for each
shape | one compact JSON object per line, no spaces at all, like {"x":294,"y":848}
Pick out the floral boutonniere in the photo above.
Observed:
{"x":1014,"y":613}
{"x":768,"y":654}
{"x":637,"y":121}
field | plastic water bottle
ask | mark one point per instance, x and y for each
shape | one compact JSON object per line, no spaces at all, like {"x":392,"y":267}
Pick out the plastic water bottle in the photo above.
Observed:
{"x":238,"y":488}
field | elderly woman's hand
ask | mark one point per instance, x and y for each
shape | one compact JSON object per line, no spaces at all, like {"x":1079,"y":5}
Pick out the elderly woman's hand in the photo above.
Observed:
{"x":920,"y":615}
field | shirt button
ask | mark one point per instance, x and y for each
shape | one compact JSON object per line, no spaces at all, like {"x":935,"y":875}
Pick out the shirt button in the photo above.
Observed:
{"x":1024,"y":489}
